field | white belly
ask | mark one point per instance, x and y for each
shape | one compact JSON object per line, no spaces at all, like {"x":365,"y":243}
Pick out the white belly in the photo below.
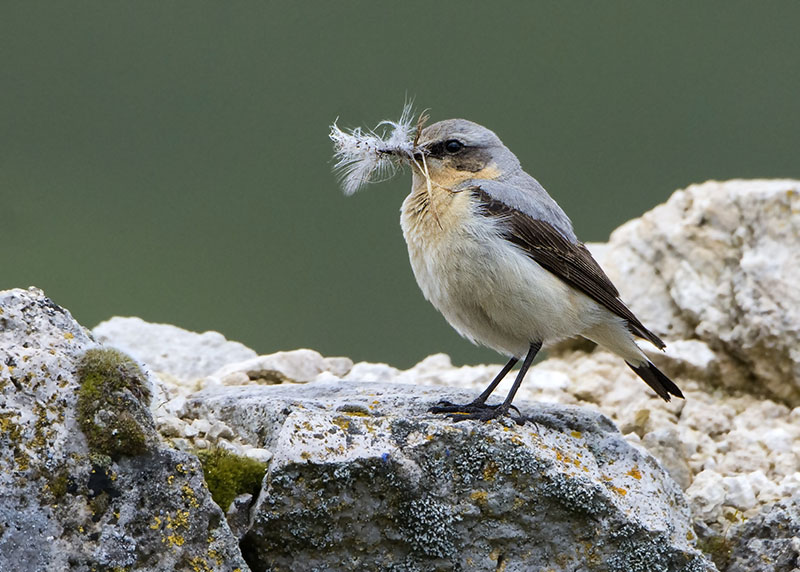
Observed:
{"x":489,"y":290}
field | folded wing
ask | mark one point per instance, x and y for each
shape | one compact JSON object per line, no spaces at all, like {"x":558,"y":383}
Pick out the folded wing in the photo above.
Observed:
{"x":570,"y":261}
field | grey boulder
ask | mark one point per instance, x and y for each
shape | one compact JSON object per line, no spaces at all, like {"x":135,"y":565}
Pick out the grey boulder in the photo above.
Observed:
{"x":363,"y":478}
{"x":85,"y":482}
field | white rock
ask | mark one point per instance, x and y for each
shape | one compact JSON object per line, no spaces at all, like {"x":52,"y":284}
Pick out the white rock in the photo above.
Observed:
{"x":739,"y":492}
{"x":706,"y":495}
{"x":718,"y":262}
{"x":181,"y":444}
{"x":364,"y":371}
{"x":219,"y":430}
{"x":233,"y":378}
{"x":338,"y":366}
{"x":202,"y":426}
{"x":693,"y":355}
{"x":298,"y":366}
{"x":777,"y":440}
{"x":190,"y":431}
{"x":171,"y":426}
{"x":765,"y":490}
{"x":226,"y":445}
{"x":258,"y":454}
{"x":790,"y":485}
{"x":664,"y":443}
{"x":185,"y":355}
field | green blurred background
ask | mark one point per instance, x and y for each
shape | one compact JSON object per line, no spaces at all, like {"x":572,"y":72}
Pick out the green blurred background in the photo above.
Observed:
{"x":170,"y":160}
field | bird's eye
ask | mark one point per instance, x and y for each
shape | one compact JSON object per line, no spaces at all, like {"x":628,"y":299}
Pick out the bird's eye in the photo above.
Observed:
{"x":453,"y":146}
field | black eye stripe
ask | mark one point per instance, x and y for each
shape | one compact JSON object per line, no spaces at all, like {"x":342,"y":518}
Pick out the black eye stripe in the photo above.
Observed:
{"x":453,"y":146}
{"x":447,"y":147}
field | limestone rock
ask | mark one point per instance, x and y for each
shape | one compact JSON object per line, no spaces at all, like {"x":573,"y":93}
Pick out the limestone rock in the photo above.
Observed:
{"x":769,"y":542}
{"x":167,"y":349}
{"x":298,"y":366}
{"x":717,"y":446}
{"x":719,"y":263}
{"x":85,"y":483}
{"x":363,"y":478}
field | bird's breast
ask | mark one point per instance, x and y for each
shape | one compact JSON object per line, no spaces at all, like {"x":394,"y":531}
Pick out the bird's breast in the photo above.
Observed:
{"x":439,"y":228}
{"x":489,"y":290}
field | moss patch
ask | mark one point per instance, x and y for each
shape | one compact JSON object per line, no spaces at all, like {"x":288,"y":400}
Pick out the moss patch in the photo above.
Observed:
{"x":718,"y":548}
{"x":112,"y":404}
{"x":228,"y":475}
{"x":58,"y":484}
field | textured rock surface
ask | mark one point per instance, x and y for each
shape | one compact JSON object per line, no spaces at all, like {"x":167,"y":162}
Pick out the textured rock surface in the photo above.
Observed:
{"x":714,"y":271}
{"x":720,"y":263}
{"x":296,"y":366}
{"x":732,"y":454}
{"x":770,"y":542}
{"x":170,"y":350}
{"x":363,"y":479}
{"x":118,"y":500}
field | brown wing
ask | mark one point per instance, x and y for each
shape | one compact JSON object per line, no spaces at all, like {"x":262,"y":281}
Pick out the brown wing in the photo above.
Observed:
{"x":570,"y":261}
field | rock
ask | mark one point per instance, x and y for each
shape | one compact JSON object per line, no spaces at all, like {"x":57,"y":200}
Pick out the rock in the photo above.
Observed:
{"x":665,"y":444}
{"x":768,"y":542}
{"x":718,"y":263}
{"x":298,"y":366}
{"x":711,"y":271}
{"x":362,"y":478}
{"x":85,"y":483}
{"x":258,"y":454}
{"x":166,"y":349}
{"x":703,"y":440}
{"x":238,"y":514}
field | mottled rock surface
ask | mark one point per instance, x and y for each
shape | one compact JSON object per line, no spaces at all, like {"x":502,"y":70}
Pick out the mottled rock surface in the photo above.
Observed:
{"x":714,"y":271}
{"x":85,"y":483}
{"x":719,"y":263}
{"x":769,"y":542}
{"x":170,"y":350}
{"x":363,"y":478}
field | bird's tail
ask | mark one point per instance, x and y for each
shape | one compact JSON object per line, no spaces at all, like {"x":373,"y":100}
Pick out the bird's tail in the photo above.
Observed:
{"x":653,"y":377}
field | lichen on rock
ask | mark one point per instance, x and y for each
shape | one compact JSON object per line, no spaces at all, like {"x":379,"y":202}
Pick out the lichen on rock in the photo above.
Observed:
{"x":359,"y":477}
{"x":362,"y":475}
{"x":113,"y":499}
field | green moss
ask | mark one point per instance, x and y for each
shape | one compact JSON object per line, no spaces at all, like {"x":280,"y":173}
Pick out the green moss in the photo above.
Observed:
{"x":718,"y":548}
{"x":112,"y":401}
{"x":12,"y":431}
{"x":228,"y":475}
{"x":59,"y":483}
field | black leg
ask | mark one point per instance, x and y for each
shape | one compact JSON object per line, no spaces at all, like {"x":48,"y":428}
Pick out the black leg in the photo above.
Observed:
{"x":534,"y":349}
{"x":480,"y":402}
{"x":478,"y":408}
{"x":495,"y":382}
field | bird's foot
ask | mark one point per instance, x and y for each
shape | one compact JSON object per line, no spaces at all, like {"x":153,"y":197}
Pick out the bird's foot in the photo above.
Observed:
{"x":476,"y":411}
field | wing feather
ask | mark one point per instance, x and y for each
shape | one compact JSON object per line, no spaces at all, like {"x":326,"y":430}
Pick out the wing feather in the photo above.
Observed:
{"x":570,"y":261}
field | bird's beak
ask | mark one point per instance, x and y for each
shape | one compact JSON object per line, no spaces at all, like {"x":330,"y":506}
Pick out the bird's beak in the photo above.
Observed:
{"x":403,"y":154}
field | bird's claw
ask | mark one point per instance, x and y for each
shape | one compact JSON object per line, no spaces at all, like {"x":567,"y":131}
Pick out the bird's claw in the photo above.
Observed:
{"x":476,"y":411}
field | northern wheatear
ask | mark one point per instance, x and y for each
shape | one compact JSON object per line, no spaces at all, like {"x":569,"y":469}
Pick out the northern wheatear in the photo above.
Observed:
{"x":495,"y":254}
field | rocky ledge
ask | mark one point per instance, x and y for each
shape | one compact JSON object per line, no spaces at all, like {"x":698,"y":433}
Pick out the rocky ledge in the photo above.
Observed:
{"x":145,"y":447}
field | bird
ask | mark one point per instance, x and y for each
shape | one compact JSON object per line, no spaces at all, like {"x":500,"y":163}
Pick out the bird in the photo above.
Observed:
{"x":498,"y":257}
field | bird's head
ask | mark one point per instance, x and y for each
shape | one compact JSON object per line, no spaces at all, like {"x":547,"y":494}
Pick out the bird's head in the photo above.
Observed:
{"x":456,"y":150}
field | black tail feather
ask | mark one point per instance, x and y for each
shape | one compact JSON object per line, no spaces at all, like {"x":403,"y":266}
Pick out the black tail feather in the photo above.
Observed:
{"x":660,"y":383}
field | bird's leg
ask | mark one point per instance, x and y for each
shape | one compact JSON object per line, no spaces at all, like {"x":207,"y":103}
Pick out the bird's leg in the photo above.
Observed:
{"x":478,"y":408}
{"x":479,"y":403}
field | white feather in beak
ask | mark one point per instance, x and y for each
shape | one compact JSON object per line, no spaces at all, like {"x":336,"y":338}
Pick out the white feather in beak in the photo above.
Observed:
{"x":363,"y":158}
